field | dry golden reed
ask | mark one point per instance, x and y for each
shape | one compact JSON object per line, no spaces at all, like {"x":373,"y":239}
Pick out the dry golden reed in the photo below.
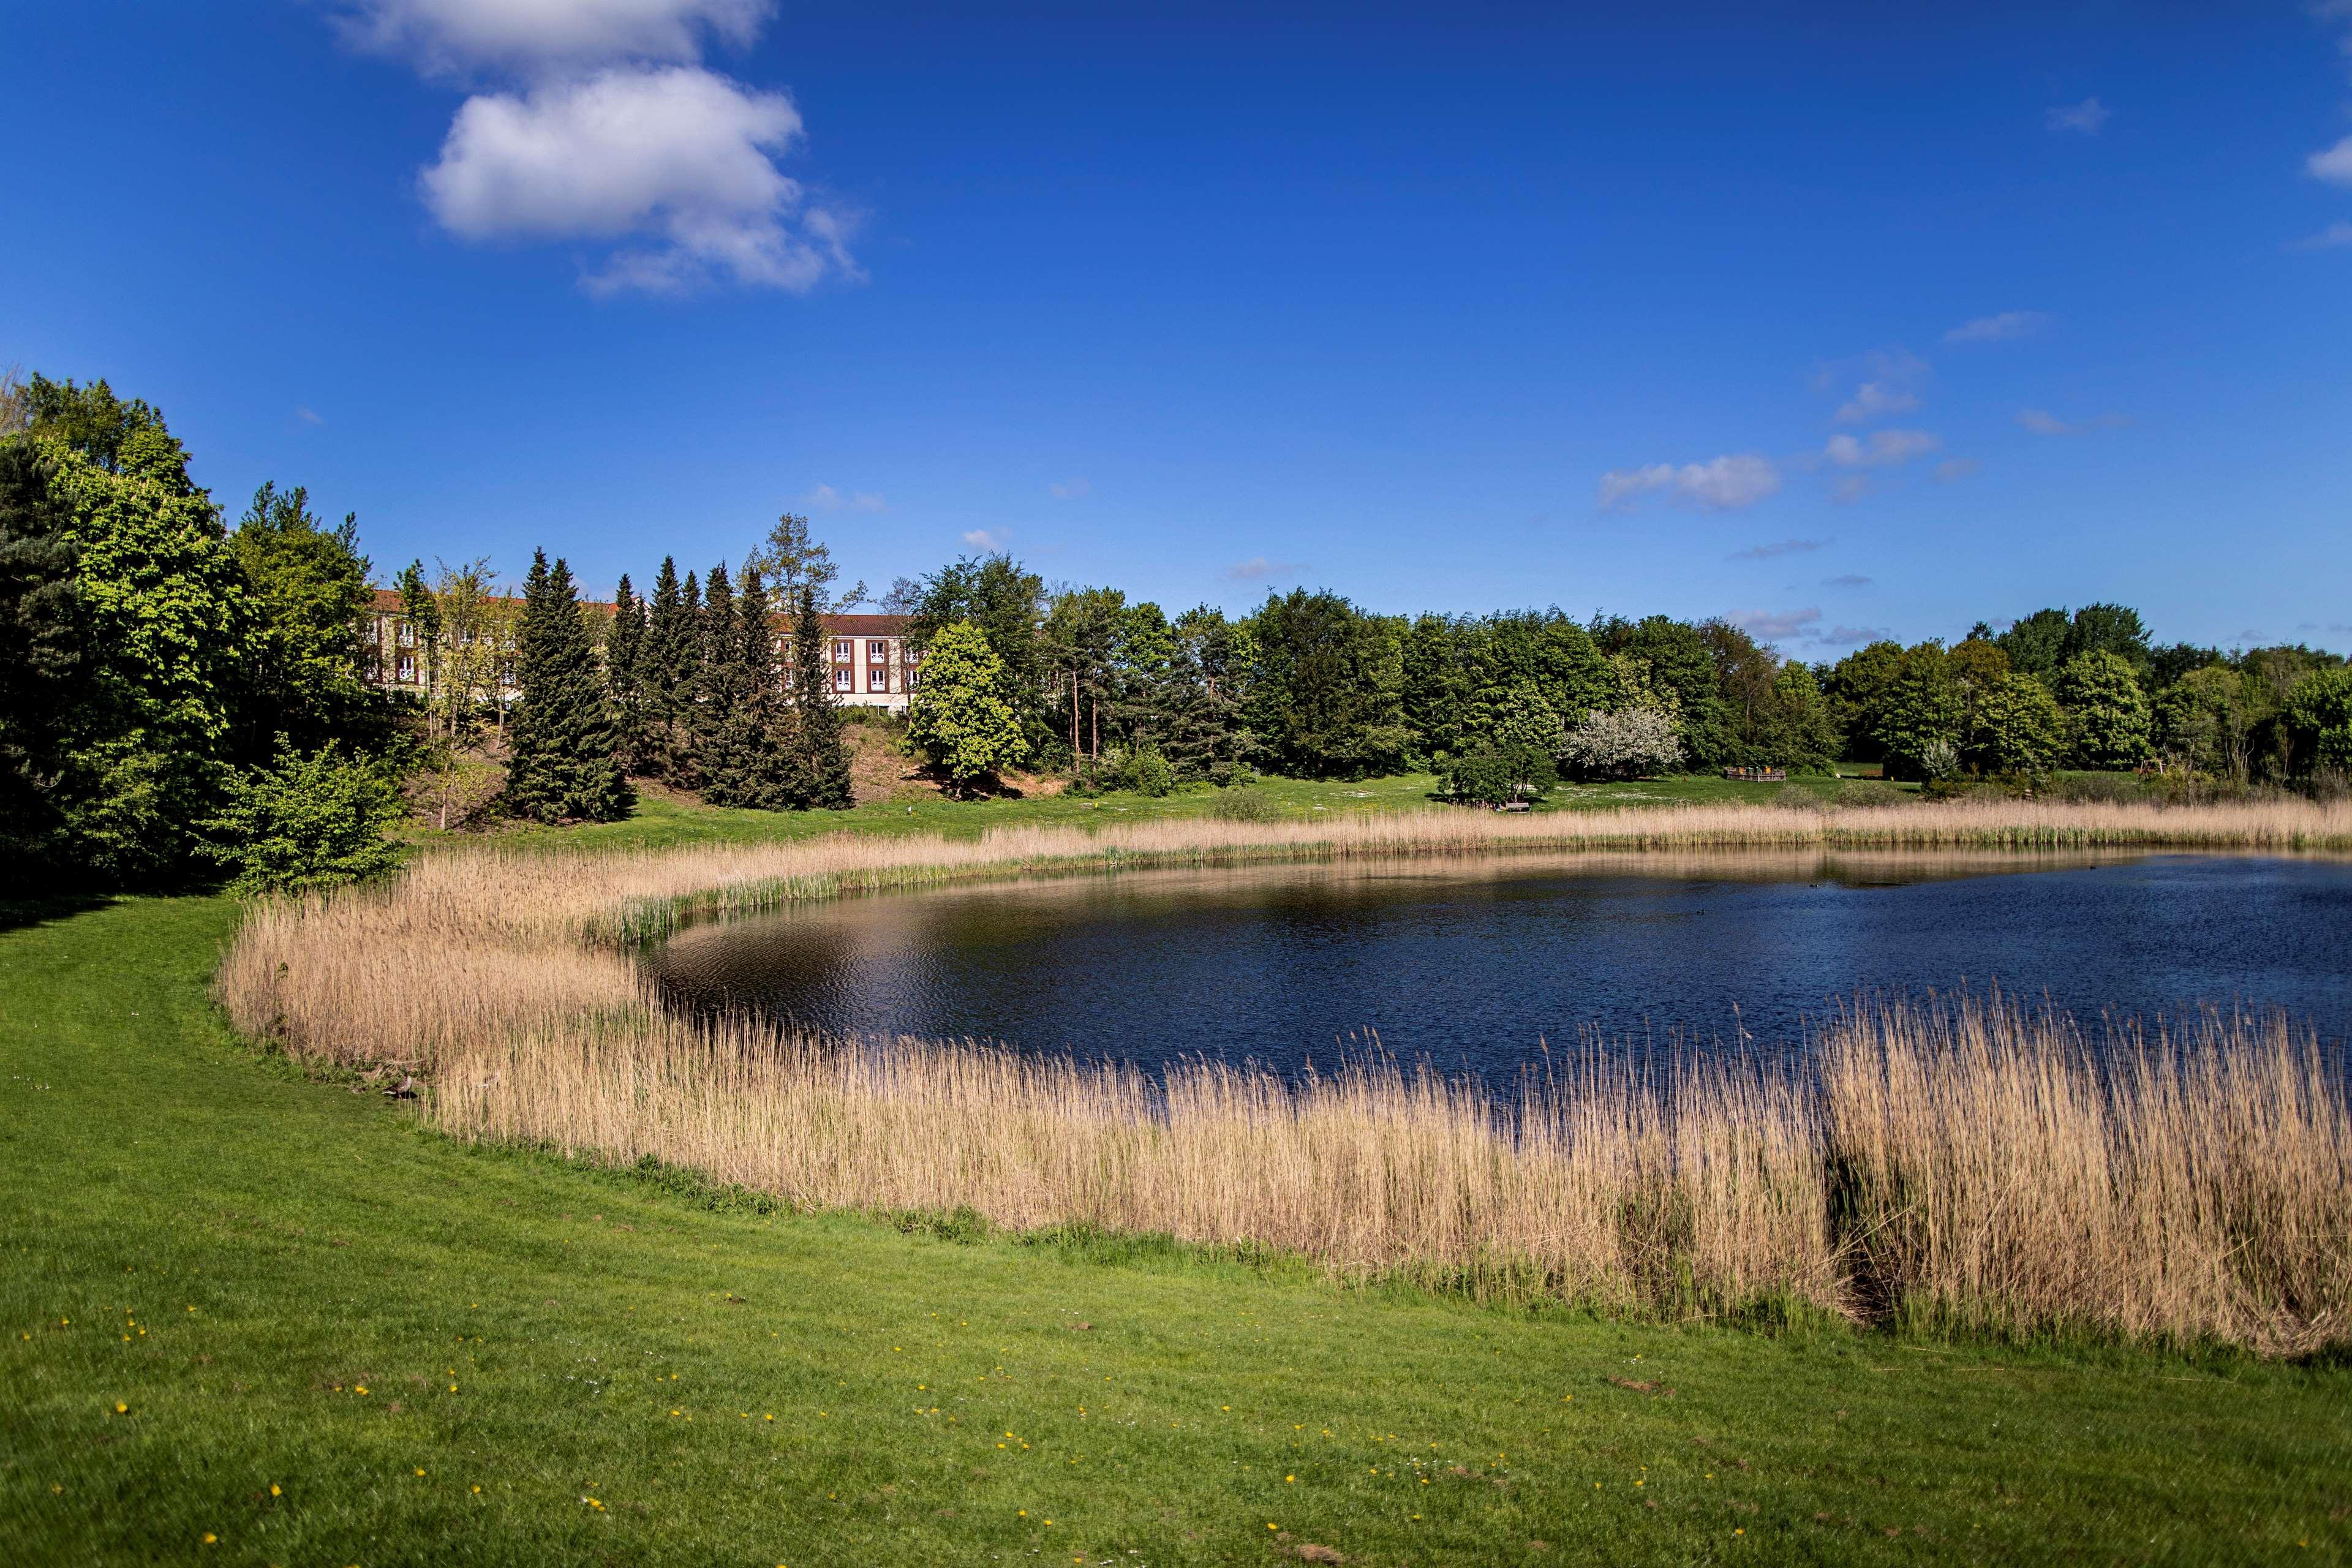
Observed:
{"x":1956,"y":1161}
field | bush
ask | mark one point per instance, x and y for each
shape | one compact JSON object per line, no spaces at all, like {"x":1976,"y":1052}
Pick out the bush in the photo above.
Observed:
{"x":1145,"y":771}
{"x":1626,"y":744}
{"x":1499,"y":775}
{"x":1245,"y":802}
{"x":304,"y":823}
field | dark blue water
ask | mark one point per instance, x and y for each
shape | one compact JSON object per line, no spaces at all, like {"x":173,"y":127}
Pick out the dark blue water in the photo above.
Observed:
{"x":1476,"y":965}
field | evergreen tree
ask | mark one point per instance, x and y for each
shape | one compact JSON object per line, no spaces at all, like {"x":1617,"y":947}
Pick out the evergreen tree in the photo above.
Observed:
{"x":43,"y":651}
{"x":748,"y":764}
{"x":624,"y":676}
{"x":820,"y":761}
{"x":715,"y":683}
{"x":669,"y":665}
{"x":423,"y":610}
{"x":563,"y":765}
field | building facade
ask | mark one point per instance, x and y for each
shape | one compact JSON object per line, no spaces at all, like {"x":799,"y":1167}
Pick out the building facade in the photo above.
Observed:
{"x":868,"y":658}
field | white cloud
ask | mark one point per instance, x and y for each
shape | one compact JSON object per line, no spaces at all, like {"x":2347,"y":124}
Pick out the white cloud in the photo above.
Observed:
{"x":2335,"y":164}
{"x":1876,"y":400}
{"x":1952,"y":468}
{"x":2335,"y":237}
{"x":308,"y":416}
{"x":1852,"y":637}
{"x":824,"y":497}
{"x":675,"y":153}
{"x":981,"y":539}
{"x":1719,"y":484}
{"x":1257,"y":569}
{"x":1849,"y":489}
{"x":2086,"y":117}
{"x":1070,"y":490}
{"x":2042,"y":422}
{"x":1850,"y":580}
{"x":458,"y":34}
{"x":1769,"y":624}
{"x":1884,"y":448}
{"x":1767,"y":552}
{"x":2002,"y":328}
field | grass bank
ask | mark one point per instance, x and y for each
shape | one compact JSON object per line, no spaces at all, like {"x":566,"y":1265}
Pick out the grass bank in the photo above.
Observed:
{"x":1973,"y":1165}
{"x":618,"y":1344}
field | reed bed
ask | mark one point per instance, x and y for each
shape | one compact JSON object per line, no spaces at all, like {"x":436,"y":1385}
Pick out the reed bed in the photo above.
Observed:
{"x":1956,"y":1161}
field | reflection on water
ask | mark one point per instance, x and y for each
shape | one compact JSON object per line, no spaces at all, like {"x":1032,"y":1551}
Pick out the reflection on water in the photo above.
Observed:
{"x":1475,"y":962}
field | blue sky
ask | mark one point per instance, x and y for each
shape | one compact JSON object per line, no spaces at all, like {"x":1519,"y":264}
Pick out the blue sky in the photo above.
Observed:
{"x":1842,"y":320}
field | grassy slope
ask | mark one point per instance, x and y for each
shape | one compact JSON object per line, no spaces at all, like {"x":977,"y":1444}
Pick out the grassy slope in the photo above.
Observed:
{"x":661,"y":822}
{"x":152,"y":1165}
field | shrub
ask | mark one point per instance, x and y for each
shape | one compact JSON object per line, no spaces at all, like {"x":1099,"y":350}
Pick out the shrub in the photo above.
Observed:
{"x":1625,"y":743}
{"x":306,"y":822}
{"x":1145,"y":771}
{"x":1245,"y":802}
{"x":1500,"y":774}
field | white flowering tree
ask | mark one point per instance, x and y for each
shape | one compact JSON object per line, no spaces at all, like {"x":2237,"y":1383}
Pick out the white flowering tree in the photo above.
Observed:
{"x":1621,"y":743}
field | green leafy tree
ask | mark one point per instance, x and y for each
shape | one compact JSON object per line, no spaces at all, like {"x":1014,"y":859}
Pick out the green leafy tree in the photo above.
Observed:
{"x":1800,"y":730}
{"x":168,"y":629}
{"x":958,"y":716}
{"x":2109,"y":628}
{"x":1922,"y":715}
{"x":792,"y":558}
{"x":994,"y":593}
{"x":305,"y":822}
{"x":2318,"y":715}
{"x":1327,"y":696}
{"x":1676,"y":665}
{"x":1434,"y":689}
{"x":1856,"y":689}
{"x":308,"y":587}
{"x":2015,"y":727}
{"x":1497,"y":775}
{"x":43,"y":651}
{"x":2107,"y":717}
{"x":2205,"y":720}
{"x":563,"y":766}
{"x":2037,"y":644}
{"x":821,"y":767}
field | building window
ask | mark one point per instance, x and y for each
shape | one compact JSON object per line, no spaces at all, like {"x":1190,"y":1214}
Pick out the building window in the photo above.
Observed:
{"x":841,"y":680}
{"x":844,"y":649}
{"x":877,"y":679}
{"x":407,"y":634}
{"x":407,"y":666}
{"x":375,"y":668}
{"x":914,"y":679}
{"x":878,"y":651}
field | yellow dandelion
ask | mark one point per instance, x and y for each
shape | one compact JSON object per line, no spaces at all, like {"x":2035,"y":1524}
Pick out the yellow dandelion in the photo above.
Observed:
{"x":210,"y":1539}
{"x":420,"y":1470}
{"x":120,"y":1408}
{"x":274,"y":1490}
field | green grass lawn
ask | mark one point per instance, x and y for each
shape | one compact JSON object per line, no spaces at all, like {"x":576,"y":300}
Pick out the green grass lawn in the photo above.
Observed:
{"x":662,"y":821}
{"x":250,"y":1318}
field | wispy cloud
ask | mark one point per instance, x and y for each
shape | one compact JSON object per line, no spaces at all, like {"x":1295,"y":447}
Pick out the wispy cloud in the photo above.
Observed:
{"x":1719,"y":484}
{"x":1771,"y":551}
{"x":2042,"y":422}
{"x":451,"y":37}
{"x":1851,"y":637}
{"x":310,"y":416}
{"x":2333,"y":164}
{"x":1883,"y":449}
{"x":1849,"y":489}
{"x":2335,"y":237}
{"x":2086,"y":117}
{"x":2006,"y":326}
{"x":1952,"y":468}
{"x":1849,"y":580}
{"x":825,"y":499}
{"x":985,"y":539}
{"x":1769,"y":626}
{"x":1258,"y":569}
{"x":1876,"y":400}
{"x":1070,"y":490}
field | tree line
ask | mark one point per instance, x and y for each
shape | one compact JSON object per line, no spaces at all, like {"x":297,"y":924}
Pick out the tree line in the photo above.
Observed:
{"x":182,"y":698}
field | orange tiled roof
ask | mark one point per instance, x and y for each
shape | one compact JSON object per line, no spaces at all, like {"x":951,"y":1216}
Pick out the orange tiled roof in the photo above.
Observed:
{"x":388,"y":603}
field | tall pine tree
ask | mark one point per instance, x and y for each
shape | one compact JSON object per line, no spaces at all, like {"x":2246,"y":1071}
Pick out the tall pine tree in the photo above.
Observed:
{"x":716,"y":682}
{"x":561,"y":766}
{"x":624,"y":676}
{"x":748,"y":765}
{"x":819,"y":769}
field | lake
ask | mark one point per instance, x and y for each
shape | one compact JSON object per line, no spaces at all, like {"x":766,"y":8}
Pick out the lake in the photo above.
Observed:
{"x":1474,"y":964}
